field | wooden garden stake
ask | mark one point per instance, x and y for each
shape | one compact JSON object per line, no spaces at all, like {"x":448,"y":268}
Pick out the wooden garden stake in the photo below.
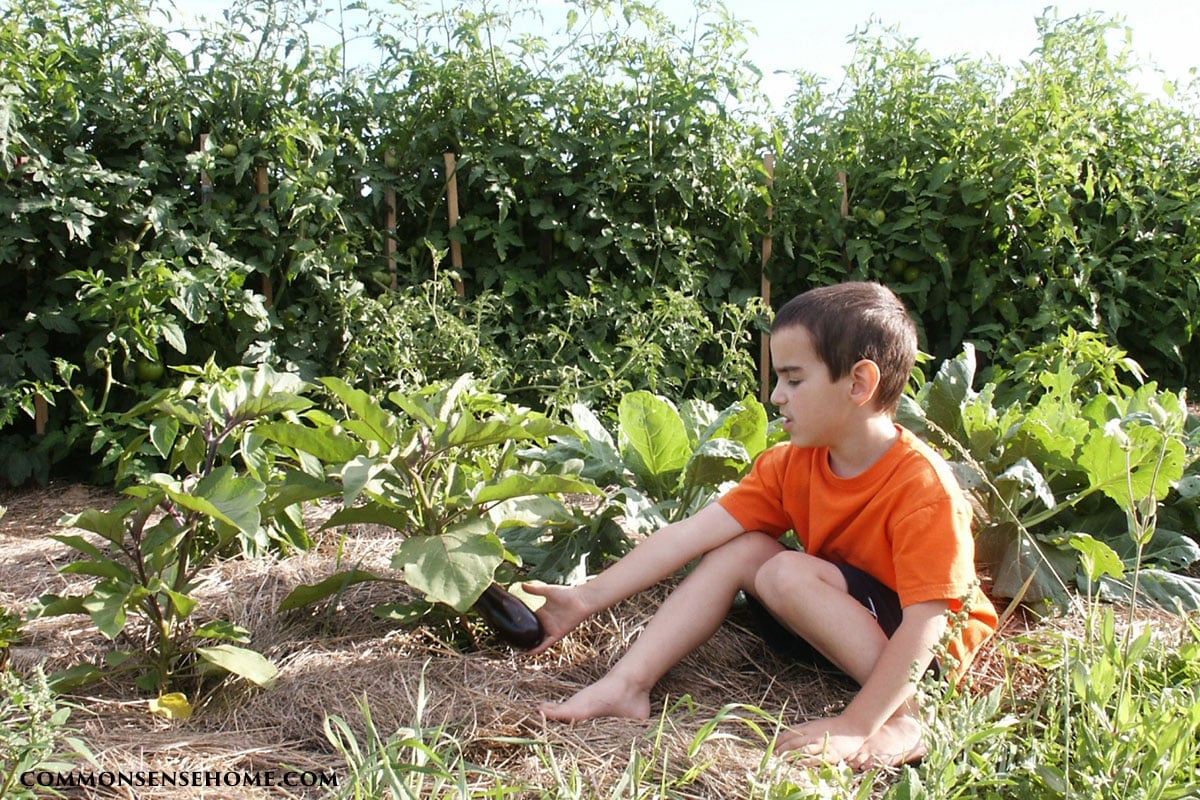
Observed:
{"x":41,"y":414}
{"x":844,"y":182}
{"x":768,"y":243}
{"x":206,"y":184}
{"x":389,"y":243}
{"x":452,"y":207}
{"x":264,"y":203}
{"x":41,"y":409}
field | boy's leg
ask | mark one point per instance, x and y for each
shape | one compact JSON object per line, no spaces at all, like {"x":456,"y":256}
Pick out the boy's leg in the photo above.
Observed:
{"x":811,"y":598}
{"x":690,"y":615}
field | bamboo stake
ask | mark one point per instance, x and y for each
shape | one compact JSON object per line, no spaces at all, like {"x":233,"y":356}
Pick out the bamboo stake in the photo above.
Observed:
{"x":767,"y":246}
{"x":452,"y":207}
{"x":264,"y":203}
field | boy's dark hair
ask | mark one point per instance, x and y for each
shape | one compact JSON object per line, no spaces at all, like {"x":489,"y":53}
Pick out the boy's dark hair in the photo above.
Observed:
{"x":849,"y":322}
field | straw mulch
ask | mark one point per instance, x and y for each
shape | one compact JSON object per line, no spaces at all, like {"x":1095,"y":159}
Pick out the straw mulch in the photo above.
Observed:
{"x":339,"y":661}
{"x":344,"y":661}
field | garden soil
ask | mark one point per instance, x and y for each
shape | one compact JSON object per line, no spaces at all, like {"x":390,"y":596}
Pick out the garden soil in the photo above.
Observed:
{"x":344,"y":662}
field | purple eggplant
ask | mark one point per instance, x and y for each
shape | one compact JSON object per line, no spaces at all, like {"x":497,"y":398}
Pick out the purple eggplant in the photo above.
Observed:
{"x":510,"y":618}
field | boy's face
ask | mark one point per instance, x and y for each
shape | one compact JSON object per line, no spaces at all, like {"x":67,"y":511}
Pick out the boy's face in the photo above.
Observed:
{"x":813,"y":406}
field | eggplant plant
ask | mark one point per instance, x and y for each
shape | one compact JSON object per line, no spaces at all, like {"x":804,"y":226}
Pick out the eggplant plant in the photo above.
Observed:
{"x":441,"y":464}
{"x":226,"y":490}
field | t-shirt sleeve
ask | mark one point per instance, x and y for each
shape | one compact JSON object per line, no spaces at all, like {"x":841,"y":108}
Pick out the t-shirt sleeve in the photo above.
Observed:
{"x":757,"y":500}
{"x":933,"y":551}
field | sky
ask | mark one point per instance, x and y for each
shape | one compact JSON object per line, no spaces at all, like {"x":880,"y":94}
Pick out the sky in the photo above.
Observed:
{"x":787,"y":35}
{"x":813,"y":36}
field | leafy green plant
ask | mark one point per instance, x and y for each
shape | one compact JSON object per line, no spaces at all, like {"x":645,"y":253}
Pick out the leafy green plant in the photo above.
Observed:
{"x":35,"y":734}
{"x":443,"y":468}
{"x":415,"y":761}
{"x":1061,"y":478}
{"x":11,"y":631}
{"x":238,"y":493}
{"x":667,"y":461}
{"x":999,"y":200}
{"x":1118,"y":702}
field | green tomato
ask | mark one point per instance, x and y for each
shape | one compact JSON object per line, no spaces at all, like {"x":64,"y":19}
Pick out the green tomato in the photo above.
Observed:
{"x":912,"y":274}
{"x":183,"y":138}
{"x":148,"y":370}
{"x":229,"y":150}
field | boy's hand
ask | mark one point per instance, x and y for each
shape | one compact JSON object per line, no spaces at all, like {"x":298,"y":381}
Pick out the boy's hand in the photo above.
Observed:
{"x":823,"y":741}
{"x":563,"y":610}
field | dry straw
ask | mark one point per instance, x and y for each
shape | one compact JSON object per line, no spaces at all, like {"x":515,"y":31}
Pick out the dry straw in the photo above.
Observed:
{"x":333,"y":660}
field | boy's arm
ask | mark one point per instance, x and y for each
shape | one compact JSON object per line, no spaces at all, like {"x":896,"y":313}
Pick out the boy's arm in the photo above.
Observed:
{"x":889,"y":687}
{"x":655,"y":558}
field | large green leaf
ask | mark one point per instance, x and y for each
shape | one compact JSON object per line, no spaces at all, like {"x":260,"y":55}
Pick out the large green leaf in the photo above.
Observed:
{"x":470,"y":432}
{"x":79,"y":543}
{"x":1042,"y":571}
{"x":744,"y":422}
{"x":949,"y":390}
{"x":587,"y":423}
{"x":372,"y":422}
{"x":373,"y":514}
{"x":717,"y":461}
{"x":106,"y":606}
{"x":262,"y":392}
{"x":307,"y":594}
{"x":654,"y":439}
{"x":1170,"y":590}
{"x":1132,"y":463}
{"x":601,"y":459}
{"x":248,"y":664}
{"x":1097,"y":558}
{"x":531,"y":511}
{"x":330,"y":444}
{"x":102,"y":568}
{"x":297,"y":487}
{"x":360,"y":474}
{"x":109,"y":524}
{"x":455,"y":567}
{"x":522,"y":485}
{"x":223,"y":495}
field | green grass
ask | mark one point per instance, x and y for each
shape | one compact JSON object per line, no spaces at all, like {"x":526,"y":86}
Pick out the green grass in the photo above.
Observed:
{"x":1096,"y":709}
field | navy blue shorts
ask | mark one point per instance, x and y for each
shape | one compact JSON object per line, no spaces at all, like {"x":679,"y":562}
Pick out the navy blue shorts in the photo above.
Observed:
{"x":882,"y":602}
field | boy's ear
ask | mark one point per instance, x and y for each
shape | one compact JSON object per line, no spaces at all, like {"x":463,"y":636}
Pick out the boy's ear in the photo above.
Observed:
{"x":865,"y":377}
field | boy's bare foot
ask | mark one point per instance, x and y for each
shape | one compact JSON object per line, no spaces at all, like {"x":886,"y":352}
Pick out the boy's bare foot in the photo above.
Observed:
{"x":901,"y":740}
{"x":606,"y":697}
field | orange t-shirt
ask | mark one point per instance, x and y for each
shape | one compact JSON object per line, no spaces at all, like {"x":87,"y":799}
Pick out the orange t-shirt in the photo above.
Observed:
{"x":904,"y":521}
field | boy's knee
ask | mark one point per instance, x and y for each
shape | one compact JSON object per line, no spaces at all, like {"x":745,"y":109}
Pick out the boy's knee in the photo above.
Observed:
{"x":743,"y":555}
{"x":788,"y":573}
{"x":754,"y":547}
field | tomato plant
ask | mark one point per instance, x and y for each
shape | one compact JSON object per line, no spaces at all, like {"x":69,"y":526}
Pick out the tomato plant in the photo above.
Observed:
{"x":253,"y":198}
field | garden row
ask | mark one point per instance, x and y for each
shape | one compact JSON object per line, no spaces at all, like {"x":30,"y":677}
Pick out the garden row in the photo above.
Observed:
{"x":1080,"y":482}
{"x":254,"y":197}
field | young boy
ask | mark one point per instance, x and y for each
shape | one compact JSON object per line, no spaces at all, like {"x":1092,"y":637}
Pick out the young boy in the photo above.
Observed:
{"x":888,"y":550}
